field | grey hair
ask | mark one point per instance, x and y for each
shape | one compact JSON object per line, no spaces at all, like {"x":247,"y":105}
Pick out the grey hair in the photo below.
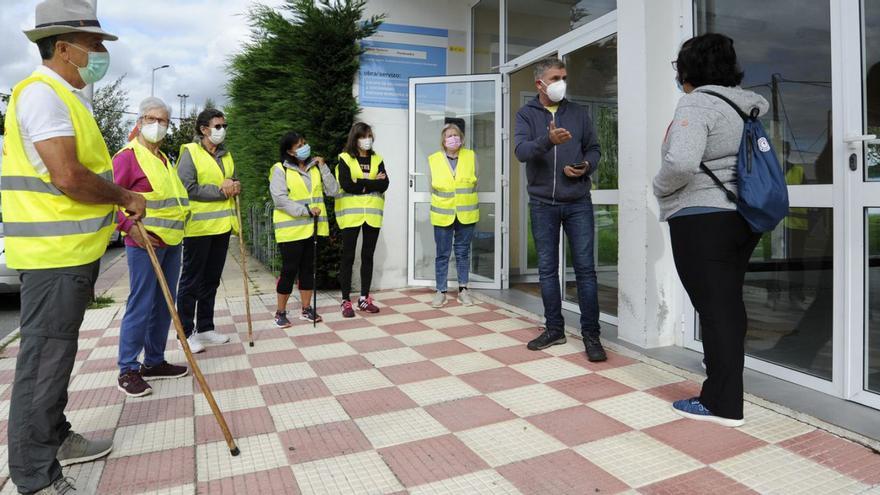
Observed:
{"x":548,"y":63}
{"x":152,"y":103}
{"x":446,"y":128}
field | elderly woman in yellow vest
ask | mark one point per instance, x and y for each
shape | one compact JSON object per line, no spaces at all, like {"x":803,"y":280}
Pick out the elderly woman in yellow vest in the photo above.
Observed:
{"x":454,"y":210}
{"x":140,"y":166}
{"x":361,"y":175}
{"x":298,"y":183}
{"x":207,"y":171}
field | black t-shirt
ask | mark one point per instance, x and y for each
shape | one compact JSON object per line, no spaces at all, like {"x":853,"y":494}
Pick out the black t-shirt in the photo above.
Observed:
{"x":362,"y":186}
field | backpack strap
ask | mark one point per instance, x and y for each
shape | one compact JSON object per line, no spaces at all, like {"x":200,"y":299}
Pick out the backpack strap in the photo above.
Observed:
{"x":727,"y":192}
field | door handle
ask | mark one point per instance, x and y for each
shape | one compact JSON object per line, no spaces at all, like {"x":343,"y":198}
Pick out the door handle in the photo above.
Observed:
{"x":853,"y":162}
{"x":859,"y":138}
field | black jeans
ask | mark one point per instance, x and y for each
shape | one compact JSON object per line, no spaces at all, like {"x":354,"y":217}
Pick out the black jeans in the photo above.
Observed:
{"x":711,"y":253}
{"x":349,"y":245}
{"x":203,"y":261}
{"x":297,"y":261}
{"x":53,"y":303}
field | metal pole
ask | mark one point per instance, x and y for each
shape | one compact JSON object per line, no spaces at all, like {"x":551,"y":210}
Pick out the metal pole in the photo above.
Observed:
{"x":153,"y":81}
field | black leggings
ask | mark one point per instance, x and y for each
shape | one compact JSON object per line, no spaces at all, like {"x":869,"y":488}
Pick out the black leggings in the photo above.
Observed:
{"x":711,"y":253}
{"x":349,"y":245}
{"x":296,"y":260}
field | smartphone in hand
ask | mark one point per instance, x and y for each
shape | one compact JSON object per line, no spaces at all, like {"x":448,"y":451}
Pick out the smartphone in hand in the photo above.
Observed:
{"x":579,"y":166}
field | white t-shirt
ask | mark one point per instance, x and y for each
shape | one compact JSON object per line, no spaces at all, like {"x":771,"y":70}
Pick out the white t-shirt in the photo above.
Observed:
{"x":42,"y":115}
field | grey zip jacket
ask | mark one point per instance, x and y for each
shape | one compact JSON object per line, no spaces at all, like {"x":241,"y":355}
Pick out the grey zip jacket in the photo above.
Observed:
{"x":545,"y":161}
{"x":705,"y":129}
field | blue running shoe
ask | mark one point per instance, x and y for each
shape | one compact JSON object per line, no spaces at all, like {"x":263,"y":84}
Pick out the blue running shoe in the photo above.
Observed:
{"x":693,"y":409}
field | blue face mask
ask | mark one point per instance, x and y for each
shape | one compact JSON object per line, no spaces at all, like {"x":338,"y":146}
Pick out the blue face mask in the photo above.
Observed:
{"x":96,"y":68}
{"x":303,"y":152}
{"x":678,"y":84}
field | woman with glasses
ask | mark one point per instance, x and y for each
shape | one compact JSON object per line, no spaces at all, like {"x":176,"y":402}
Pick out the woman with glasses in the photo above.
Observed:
{"x":141,"y":167}
{"x":207,"y":172}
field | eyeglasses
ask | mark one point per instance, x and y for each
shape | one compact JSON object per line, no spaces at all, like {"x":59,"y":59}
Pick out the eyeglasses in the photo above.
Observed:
{"x":148,"y":119}
{"x":220,"y":126}
{"x":675,"y":65}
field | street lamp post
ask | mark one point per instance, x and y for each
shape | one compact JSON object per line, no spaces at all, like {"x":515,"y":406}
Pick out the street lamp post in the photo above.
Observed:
{"x":153,"y":79}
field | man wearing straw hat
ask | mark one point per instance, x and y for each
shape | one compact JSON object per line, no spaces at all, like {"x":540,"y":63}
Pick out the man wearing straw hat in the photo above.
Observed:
{"x":59,"y":203}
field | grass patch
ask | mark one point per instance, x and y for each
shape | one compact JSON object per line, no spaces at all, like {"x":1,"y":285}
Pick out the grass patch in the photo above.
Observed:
{"x":101,"y":302}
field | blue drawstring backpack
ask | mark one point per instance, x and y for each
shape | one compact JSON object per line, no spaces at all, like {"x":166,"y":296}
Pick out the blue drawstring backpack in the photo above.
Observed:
{"x":763,"y":194}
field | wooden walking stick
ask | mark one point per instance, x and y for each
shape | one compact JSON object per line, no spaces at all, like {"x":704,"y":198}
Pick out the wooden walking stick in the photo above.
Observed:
{"x":247,"y":297}
{"x":230,"y":442}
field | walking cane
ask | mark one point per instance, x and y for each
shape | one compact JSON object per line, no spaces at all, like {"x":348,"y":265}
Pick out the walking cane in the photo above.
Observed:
{"x":315,"y":272}
{"x":230,"y":442}
{"x":247,"y":297}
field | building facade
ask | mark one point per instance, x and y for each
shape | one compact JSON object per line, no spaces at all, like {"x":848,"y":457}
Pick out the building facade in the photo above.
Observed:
{"x":813,"y":288}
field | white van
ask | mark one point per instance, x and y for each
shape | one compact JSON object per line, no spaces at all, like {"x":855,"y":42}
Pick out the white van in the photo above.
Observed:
{"x":9,"y":281}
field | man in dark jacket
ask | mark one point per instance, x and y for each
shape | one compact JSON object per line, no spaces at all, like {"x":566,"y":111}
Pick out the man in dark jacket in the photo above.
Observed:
{"x":556,"y":140}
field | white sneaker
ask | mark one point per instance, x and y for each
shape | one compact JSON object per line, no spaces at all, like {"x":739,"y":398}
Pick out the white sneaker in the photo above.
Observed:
{"x":464,"y":298}
{"x":213,"y":337}
{"x":439,"y":300}
{"x":194,"y":344}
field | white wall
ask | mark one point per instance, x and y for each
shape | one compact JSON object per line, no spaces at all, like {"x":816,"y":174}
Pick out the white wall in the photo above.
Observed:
{"x":390,"y":128}
{"x":651,"y":300}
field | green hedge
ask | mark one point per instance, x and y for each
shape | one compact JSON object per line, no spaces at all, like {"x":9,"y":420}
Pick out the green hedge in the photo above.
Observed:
{"x":296,"y":74}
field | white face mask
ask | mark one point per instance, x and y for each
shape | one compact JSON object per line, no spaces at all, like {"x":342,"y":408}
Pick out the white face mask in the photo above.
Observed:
{"x":154,"y":132}
{"x":365,"y":144}
{"x":555,"y":91}
{"x":217,"y":136}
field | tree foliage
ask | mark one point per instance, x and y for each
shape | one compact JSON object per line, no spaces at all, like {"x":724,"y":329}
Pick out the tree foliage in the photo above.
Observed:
{"x":4,"y":100}
{"x":296,"y":74}
{"x":109,"y":105}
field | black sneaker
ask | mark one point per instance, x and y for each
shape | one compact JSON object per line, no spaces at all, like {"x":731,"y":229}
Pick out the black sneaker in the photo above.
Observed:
{"x":133,"y":384}
{"x":309,"y":314}
{"x":281,"y":320}
{"x":546,"y":339}
{"x":595,"y":351}
{"x":163,"y":371}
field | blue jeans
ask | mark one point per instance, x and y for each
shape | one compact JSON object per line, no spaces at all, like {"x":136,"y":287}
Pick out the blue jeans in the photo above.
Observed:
{"x":577,"y":220}
{"x":147,"y":320}
{"x":458,"y":236}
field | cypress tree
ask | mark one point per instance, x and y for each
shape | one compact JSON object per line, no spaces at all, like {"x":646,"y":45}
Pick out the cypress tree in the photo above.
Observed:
{"x":296,"y":74}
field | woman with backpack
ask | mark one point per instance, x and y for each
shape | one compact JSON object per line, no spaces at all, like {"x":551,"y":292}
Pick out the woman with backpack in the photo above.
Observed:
{"x":711,"y":241}
{"x":361,"y":174}
{"x":298,"y":183}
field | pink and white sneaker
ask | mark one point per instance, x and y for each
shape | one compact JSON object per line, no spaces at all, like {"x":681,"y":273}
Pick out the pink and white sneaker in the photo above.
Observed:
{"x":366,"y":304}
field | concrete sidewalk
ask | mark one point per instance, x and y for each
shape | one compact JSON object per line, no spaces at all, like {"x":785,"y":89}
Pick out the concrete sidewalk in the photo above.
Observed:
{"x":422,"y":401}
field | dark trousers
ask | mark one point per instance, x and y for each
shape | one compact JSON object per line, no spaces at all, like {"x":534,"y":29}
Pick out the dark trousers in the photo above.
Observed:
{"x":576,"y":219}
{"x":203,"y":261}
{"x":296,"y":261}
{"x":711,"y":253}
{"x":368,"y":248}
{"x":53,"y":303}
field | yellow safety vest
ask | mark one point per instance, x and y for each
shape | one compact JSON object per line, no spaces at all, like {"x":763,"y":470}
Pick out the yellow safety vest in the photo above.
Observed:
{"x":289,"y":228}
{"x":210,"y":217}
{"x":454,"y":196}
{"x":798,"y":218}
{"x":352,"y":210}
{"x":168,"y":203}
{"x":44,"y":228}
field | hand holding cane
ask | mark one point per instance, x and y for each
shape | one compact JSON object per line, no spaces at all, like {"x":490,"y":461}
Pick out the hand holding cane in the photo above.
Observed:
{"x":160,"y":276}
{"x":247,"y":297}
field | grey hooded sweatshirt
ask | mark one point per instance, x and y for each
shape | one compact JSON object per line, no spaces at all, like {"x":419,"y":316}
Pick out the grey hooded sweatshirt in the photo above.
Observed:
{"x":705,"y":129}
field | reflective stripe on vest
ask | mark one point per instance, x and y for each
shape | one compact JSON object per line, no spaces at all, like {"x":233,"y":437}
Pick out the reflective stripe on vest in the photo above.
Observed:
{"x":353,"y":210}
{"x":289,"y":228}
{"x":454,"y":196}
{"x":209,"y":172}
{"x":44,"y":228}
{"x":167,"y":205}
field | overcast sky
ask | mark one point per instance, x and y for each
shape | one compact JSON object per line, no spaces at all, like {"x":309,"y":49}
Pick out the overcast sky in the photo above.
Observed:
{"x":195,"y":37}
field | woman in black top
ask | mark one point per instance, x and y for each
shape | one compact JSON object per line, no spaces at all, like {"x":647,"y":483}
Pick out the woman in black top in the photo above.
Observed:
{"x":361,"y":174}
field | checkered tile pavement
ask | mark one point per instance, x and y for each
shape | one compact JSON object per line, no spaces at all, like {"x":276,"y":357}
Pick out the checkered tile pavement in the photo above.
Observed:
{"x":423,"y":401}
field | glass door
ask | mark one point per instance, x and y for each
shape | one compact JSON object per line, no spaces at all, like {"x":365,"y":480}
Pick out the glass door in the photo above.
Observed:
{"x":790,"y":53}
{"x":475,"y":103}
{"x":861,"y":158}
